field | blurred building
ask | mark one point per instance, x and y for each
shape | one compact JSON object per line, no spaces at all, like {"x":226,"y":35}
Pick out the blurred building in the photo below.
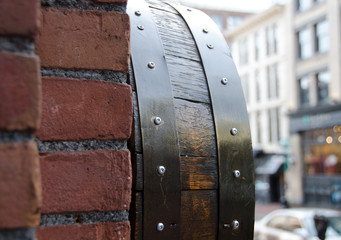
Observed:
{"x":314,"y":75}
{"x":288,"y":58}
{"x":259,"y":50}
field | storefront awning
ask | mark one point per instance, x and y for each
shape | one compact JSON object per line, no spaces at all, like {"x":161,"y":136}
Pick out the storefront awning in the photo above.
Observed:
{"x":270,"y":165}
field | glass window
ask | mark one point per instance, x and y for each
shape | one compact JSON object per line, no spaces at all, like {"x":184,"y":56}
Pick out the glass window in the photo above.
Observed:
{"x":273,"y":81}
{"x":321,"y":37}
{"x":233,"y":21}
{"x":271,"y":40}
{"x":257,"y":81}
{"x":243,"y":52}
{"x":304,"y":90}
{"x":304,"y":44}
{"x":287,"y":223}
{"x":322,"y":81}
{"x":245,"y":85}
{"x":259,"y":127}
{"x":322,"y":151}
{"x":257,"y":45}
{"x":218,"y":21}
{"x":303,"y":5}
{"x":274,"y":127}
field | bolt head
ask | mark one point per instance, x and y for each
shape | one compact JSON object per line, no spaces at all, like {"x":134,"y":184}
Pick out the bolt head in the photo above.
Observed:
{"x":157,"y":120}
{"x":161,"y":170}
{"x":236,"y":173}
{"x":234,"y":131}
{"x":224,"y":81}
{"x":205,"y":30}
{"x":160,"y":227}
{"x":137,"y":13}
{"x":140,"y":27}
{"x":235,"y":225}
{"x":151,"y":65}
{"x":210,"y":46}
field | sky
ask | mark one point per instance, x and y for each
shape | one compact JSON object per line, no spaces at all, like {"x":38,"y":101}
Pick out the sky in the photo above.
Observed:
{"x":238,"y":5}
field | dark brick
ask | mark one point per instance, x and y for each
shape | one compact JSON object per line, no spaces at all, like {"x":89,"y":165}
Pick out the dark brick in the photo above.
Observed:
{"x":84,"y":39}
{"x":100,"y":231}
{"x":20,"y":185}
{"x":84,"y":109}
{"x":82,"y":181}
{"x":18,"y":17}
{"x":20,"y":91}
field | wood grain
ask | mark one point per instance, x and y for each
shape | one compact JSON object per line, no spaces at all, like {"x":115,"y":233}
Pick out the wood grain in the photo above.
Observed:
{"x":199,"y":217}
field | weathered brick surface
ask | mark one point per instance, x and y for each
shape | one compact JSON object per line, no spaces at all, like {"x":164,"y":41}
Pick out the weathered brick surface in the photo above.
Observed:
{"x":100,"y":231}
{"x":20,"y":185}
{"x":111,"y":1}
{"x":81,"y":181}
{"x":84,"y":39}
{"x":85,"y":109}
{"x":20,"y":91}
{"x":19,"y":17}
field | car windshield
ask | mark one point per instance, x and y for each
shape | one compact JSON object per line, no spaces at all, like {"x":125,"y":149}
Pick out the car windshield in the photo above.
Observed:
{"x":333,"y":229}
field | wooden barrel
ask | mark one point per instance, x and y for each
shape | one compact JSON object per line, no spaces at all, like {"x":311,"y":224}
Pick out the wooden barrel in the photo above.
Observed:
{"x":191,"y":146}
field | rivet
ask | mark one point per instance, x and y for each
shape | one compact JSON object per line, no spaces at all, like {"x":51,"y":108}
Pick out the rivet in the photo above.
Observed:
{"x":151,"y":65}
{"x":160,"y":227}
{"x":161,"y":170}
{"x":205,"y":30}
{"x":224,"y":81}
{"x":226,"y":225}
{"x":140,"y":27}
{"x":190,"y":10}
{"x":235,"y":225}
{"x":210,"y":46}
{"x":236,"y":173}
{"x":157,"y":120}
{"x":137,"y":13}
{"x":234,"y":131}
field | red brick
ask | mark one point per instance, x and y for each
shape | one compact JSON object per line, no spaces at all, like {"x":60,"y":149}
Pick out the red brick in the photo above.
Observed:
{"x":81,"y":181}
{"x":99,"y":231}
{"x":20,"y":91}
{"x":85,"y":109}
{"x":20,"y":185}
{"x":18,"y":17}
{"x":84,"y":39}
{"x":111,"y":1}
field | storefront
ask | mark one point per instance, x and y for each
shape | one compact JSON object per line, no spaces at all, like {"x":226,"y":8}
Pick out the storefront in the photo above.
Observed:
{"x":320,"y":135}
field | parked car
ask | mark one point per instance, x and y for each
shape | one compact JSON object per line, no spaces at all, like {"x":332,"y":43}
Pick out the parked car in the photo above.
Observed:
{"x":299,"y":224}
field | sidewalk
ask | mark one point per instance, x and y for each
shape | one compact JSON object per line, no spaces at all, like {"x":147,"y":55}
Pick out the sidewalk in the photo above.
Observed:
{"x":262,"y":209}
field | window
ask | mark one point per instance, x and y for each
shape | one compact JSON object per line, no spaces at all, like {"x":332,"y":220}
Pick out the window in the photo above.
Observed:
{"x":245,"y":84}
{"x":304,"y":44}
{"x":302,"y":5}
{"x":257,"y":81}
{"x":304,"y":91}
{"x":321,"y":37}
{"x":271,"y":40}
{"x":322,"y":151}
{"x":272,"y":81}
{"x":274,"y":135}
{"x":233,"y":21}
{"x":243,"y":52}
{"x":218,"y":21}
{"x":322,"y":81}
{"x":257,"y":46}
{"x":259,"y":128}
{"x":287,"y":223}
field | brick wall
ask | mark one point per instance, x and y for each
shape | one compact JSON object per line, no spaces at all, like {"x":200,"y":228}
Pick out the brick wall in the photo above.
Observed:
{"x":20,"y":110}
{"x":65,"y":119}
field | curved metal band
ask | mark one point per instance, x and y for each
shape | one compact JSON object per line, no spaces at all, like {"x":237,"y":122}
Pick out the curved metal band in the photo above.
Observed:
{"x":162,"y":188}
{"x":236,"y":170}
